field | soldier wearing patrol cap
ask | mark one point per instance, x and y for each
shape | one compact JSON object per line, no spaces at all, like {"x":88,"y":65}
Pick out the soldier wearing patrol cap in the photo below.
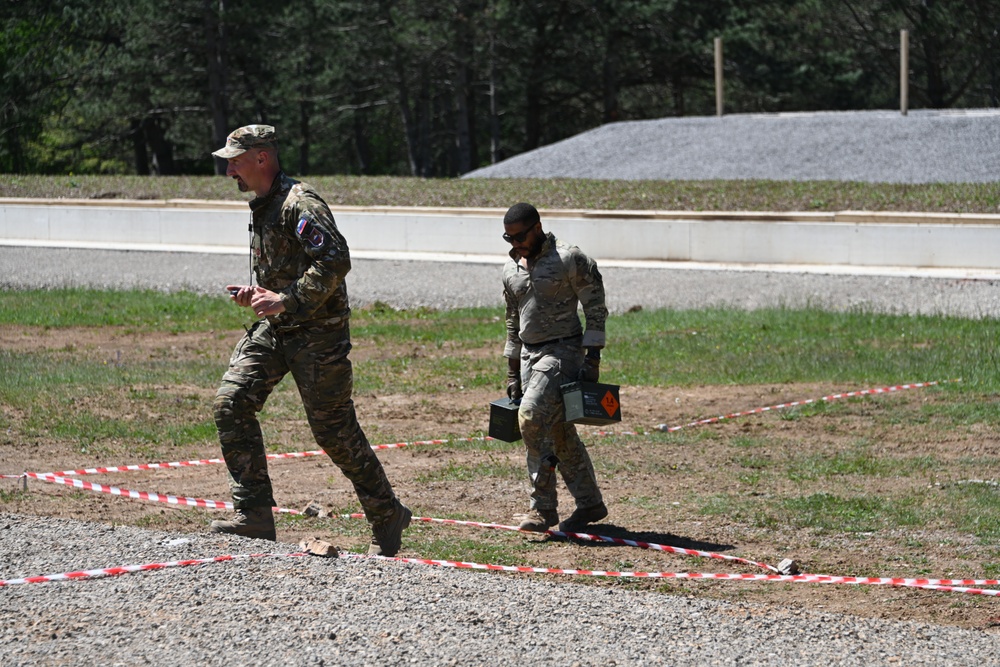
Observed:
{"x":300,"y":261}
{"x":543,"y":283}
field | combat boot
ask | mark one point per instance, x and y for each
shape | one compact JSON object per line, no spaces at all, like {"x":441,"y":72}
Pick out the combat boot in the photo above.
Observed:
{"x":387,"y":536}
{"x":582,"y":516}
{"x":537,"y":520}
{"x":256,"y":522}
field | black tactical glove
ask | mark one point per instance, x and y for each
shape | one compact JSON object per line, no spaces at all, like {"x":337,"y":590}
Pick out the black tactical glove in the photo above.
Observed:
{"x":591,"y":369}
{"x":514,"y":379}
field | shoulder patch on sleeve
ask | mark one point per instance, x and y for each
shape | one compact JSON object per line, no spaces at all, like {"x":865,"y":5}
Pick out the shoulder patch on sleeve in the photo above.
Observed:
{"x":309,"y":232}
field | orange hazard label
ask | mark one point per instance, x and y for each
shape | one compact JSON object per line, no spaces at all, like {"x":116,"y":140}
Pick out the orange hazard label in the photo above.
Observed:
{"x":610,"y":404}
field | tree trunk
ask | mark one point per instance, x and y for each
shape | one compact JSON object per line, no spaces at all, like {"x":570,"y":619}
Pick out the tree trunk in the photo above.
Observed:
{"x":532,"y":116}
{"x":409,"y":126}
{"x":677,"y":90}
{"x":495,"y":152}
{"x":464,"y":156}
{"x":611,"y":79}
{"x":425,"y":112}
{"x":140,"y":155}
{"x":304,"y":113}
{"x":463,"y":148}
{"x":362,"y":146}
{"x":215,"y":47}
{"x":163,"y":150}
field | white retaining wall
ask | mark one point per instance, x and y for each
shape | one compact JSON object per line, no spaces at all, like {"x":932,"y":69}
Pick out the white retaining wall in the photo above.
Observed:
{"x":848,"y":239}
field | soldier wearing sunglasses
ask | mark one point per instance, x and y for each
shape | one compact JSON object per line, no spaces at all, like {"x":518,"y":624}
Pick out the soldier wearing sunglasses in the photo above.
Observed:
{"x":544,"y":282}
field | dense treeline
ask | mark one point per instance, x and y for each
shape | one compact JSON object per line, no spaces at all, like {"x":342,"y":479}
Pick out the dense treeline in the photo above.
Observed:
{"x":440,"y":87}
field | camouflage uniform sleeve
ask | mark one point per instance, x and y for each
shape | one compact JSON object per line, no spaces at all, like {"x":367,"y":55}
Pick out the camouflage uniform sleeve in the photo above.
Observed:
{"x":512,"y":317}
{"x":588,"y":284}
{"x":328,"y":259}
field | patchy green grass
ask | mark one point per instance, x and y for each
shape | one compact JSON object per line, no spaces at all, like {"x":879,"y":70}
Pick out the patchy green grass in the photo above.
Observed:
{"x":742,"y":195}
{"x":453,"y":472}
{"x":888,"y":484}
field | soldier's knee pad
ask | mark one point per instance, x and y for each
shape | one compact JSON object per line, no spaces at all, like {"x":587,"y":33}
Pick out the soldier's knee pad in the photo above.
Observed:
{"x":228,"y":404}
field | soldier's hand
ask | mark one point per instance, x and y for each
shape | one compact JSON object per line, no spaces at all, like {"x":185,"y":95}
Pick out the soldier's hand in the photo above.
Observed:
{"x":265,"y":302}
{"x":514,"y":392}
{"x":240,"y":294}
{"x":590,"y":371}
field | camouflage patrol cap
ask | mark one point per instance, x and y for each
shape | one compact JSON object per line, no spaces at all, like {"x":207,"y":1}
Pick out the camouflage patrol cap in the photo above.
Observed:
{"x":245,"y":138}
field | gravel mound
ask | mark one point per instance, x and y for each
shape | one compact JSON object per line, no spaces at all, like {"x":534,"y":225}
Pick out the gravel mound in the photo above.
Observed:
{"x":359,"y":611}
{"x":926,"y":146}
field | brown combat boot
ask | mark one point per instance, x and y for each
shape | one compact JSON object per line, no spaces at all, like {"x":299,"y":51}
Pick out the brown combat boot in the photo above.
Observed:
{"x":537,"y":520}
{"x":256,"y":522}
{"x":583,"y":516}
{"x":387,"y":537}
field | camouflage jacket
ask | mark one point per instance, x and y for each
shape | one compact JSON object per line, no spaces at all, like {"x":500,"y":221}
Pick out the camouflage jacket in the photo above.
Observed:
{"x":298,"y":252}
{"x":542,"y":299}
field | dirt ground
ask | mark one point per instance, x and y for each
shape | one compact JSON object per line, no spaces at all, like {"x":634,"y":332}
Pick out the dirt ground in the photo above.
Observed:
{"x":655,"y":484}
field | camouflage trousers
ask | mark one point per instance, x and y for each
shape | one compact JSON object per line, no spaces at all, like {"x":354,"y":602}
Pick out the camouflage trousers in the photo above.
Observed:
{"x":322,"y":371}
{"x":548,"y":438}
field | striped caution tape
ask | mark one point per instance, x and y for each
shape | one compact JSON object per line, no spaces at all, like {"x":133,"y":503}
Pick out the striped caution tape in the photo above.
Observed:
{"x":947,"y":585}
{"x":202,"y":462}
{"x":442,"y":441}
{"x":140,"y":495}
{"x":832,"y":397}
{"x":592,"y":538}
{"x":127,"y":569}
{"x":957,"y":586}
{"x":128,"y":493}
{"x":60,"y":478}
{"x":936,"y":584}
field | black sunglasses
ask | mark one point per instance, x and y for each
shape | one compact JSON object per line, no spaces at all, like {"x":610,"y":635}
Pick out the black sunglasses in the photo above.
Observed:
{"x":519,"y":237}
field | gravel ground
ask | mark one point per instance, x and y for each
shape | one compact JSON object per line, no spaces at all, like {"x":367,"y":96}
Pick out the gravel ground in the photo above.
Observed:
{"x":312,"y":611}
{"x":410,"y":284}
{"x":926,"y":146}
{"x":354,"y":611}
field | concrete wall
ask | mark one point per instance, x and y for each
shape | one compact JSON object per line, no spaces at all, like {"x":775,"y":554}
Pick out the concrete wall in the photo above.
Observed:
{"x":847,"y":238}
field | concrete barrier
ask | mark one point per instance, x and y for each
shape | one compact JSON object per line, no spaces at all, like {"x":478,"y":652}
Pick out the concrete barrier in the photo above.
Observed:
{"x":839,"y":239}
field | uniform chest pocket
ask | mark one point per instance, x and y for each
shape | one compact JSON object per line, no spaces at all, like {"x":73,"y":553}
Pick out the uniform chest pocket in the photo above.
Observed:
{"x":547,"y":285}
{"x":520,"y":286}
{"x":278,"y":247}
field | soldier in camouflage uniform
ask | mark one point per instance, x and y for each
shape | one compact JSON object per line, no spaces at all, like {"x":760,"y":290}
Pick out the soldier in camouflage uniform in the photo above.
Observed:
{"x":300,"y":260}
{"x":543,"y":283}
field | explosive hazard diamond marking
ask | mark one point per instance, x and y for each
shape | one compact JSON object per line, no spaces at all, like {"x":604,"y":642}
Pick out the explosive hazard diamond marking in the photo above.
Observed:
{"x":610,"y":404}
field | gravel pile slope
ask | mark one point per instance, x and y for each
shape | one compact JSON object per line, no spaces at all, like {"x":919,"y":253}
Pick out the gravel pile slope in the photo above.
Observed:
{"x":925,"y":146}
{"x":316,"y":611}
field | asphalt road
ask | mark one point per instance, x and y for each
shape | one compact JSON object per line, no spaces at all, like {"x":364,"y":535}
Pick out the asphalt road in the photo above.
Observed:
{"x":445,"y":285}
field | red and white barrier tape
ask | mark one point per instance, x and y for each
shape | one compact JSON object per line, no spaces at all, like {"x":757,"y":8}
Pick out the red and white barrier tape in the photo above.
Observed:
{"x":948,"y":585}
{"x":60,"y":478}
{"x":201,"y":462}
{"x":937,"y":584}
{"x":442,"y":441}
{"x":141,"y":495}
{"x":933,"y":584}
{"x":127,"y":569}
{"x":217,"y":504}
{"x":864,"y":392}
{"x":591,"y":538}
